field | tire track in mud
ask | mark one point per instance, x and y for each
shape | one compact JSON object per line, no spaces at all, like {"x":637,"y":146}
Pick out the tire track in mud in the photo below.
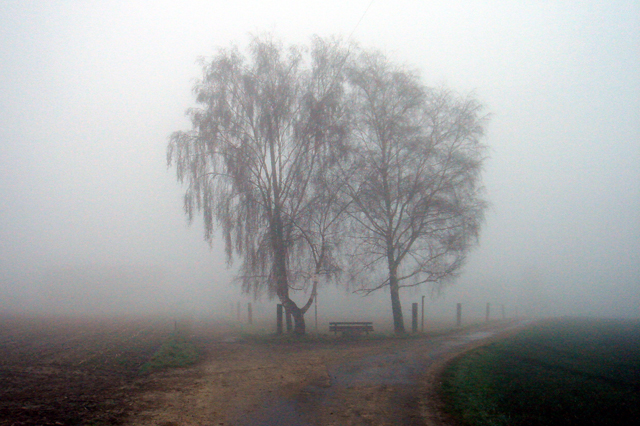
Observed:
{"x":384,"y":388}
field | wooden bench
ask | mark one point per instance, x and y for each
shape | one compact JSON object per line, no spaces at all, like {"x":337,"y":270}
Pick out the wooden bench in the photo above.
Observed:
{"x":351,"y":327}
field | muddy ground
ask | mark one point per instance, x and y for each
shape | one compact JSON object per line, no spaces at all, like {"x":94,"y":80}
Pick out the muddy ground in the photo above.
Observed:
{"x":72,"y":372}
{"x":361,"y":382}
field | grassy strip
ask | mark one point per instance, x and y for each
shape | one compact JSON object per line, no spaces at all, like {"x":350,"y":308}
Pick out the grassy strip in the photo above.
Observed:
{"x":570,"y":372}
{"x":175,"y":352}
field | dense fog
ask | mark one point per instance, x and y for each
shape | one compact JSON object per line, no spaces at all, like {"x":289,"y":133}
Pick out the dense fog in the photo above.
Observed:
{"x":91,"y":219}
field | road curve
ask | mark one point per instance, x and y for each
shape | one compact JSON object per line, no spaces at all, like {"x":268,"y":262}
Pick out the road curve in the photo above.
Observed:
{"x":386,"y":388}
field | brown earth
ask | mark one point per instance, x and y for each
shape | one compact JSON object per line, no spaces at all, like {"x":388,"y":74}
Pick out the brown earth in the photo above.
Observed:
{"x":71,"y":372}
{"x":362,"y":382}
{"x":237,"y":380}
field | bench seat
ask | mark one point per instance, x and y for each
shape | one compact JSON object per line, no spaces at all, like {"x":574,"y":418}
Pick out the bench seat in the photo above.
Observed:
{"x":357,"y":327}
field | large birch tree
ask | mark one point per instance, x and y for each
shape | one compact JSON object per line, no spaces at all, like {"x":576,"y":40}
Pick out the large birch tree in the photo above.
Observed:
{"x":414,"y":180}
{"x":267,"y":128}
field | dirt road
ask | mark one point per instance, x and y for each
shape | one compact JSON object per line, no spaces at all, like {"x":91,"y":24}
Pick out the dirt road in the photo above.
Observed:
{"x":387,"y":382}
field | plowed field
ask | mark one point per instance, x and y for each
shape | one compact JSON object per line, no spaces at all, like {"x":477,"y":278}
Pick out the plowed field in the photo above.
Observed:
{"x":63,"y":371}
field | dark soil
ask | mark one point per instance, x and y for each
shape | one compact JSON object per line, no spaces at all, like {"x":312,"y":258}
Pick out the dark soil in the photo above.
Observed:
{"x":61,"y":371}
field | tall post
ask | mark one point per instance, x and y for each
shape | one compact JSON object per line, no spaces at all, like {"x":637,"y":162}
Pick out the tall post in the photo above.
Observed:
{"x":422,"y":318}
{"x":250,"y":313}
{"x":488,"y":312}
{"x":459,"y":314}
{"x":315,"y":309}
{"x":279,"y":319}
{"x":414,"y":317}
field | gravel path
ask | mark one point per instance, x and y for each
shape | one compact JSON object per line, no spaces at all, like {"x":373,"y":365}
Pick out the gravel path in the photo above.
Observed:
{"x":385,"y":388}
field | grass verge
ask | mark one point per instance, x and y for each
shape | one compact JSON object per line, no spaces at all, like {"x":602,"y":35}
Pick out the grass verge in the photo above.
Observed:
{"x":176,"y":351}
{"x":568,"y":371}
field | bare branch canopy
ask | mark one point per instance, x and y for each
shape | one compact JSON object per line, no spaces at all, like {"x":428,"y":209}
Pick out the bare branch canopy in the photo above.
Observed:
{"x":310,"y":158}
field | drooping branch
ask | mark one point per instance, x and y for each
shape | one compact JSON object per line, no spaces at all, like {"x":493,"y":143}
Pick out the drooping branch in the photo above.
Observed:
{"x":266,"y":132}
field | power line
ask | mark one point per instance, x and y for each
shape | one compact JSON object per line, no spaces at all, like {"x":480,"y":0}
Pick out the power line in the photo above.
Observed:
{"x":361,"y":18}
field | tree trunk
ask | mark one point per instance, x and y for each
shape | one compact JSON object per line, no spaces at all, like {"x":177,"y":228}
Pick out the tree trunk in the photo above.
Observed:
{"x":396,"y":307}
{"x":394,"y":289}
{"x":299,"y":327}
{"x":282,"y":281}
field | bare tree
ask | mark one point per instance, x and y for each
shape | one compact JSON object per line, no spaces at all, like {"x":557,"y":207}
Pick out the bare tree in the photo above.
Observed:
{"x":414,"y":181}
{"x":266,"y":129}
{"x":321,"y":228}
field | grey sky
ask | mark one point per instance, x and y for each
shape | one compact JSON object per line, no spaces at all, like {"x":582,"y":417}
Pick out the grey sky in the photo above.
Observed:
{"x":90,"y":91}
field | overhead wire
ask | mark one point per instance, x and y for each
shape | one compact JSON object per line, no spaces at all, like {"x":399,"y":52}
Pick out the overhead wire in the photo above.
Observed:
{"x":361,"y":18}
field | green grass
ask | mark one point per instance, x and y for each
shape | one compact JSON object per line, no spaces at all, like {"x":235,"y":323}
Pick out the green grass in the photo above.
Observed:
{"x":568,"y":371}
{"x":176,"y":351}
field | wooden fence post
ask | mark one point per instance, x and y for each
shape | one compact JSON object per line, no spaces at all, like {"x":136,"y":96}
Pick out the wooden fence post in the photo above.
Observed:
{"x":279,"y":319}
{"x":414,"y":317}
{"x":422,"y":319}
